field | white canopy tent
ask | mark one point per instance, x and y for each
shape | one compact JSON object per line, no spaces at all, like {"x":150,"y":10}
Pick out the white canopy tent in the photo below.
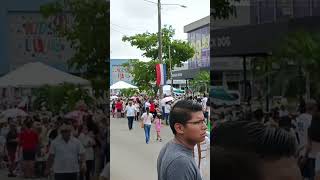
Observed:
{"x":36,"y":74}
{"x":122,"y":85}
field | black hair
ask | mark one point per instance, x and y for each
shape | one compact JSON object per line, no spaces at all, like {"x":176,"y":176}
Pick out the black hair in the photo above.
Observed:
{"x":268,"y":142}
{"x":181,"y":112}
{"x":232,"y":164}
{"x":29,"y":124}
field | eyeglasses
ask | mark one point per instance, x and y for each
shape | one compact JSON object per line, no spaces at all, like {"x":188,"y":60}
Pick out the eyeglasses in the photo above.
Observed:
{"x":201,"y":122}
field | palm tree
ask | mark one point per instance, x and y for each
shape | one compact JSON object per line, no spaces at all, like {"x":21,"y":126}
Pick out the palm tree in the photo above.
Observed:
{"x":201,"y":82}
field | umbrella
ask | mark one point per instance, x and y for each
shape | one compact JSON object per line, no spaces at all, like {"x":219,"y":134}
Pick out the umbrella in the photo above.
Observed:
{"x":114,"y":97}
{"x":76,"y":115}
{"x":13,"y":113}
{"x":167,"y":99}
{"x":122,"y":85}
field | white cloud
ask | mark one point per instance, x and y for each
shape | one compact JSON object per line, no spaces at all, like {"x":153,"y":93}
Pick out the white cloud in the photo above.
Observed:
{"x":129,"y":17}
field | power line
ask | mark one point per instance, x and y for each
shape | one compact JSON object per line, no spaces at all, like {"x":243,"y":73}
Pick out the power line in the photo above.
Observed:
{"x":123,"y":27}
{"x":118,"y":31}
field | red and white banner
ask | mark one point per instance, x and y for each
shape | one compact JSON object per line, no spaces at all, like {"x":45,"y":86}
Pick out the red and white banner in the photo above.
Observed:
{"x":161,"y":74}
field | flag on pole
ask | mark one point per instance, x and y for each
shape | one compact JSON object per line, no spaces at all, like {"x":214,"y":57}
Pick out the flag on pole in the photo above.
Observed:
{"x":161,"y":74}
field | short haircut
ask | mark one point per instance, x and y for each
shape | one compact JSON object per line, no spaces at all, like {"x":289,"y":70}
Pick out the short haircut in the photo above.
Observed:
{"x":181,"y":112}
{"x":269,"y":143}
{"x":232,"y":164}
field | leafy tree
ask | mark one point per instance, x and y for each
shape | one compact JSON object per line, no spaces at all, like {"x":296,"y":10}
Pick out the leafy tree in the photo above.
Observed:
{"x":201,"y":82}
{"x":144,"y":74}
{"x":60,"y":98}
{"x":129,"y":92}
{"x":89,"y":37}
{"x":294,"y":63}
{"x":223,"y":9}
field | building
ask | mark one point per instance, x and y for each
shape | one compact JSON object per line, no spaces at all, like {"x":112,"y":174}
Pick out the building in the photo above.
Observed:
{"x":255,"y":32}
{"x":118,"y":72}
{"x":27,"y":37}
{"x":199,"y":38}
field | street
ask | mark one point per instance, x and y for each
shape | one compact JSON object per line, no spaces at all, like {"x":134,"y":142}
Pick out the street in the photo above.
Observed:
{"x":131,"y":157}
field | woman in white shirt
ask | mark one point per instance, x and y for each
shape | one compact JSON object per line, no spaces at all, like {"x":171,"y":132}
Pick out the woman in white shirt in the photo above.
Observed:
{"x":147,"y":119}
{"x":137,"y":106}
{"x":87,"y":140}
{"x":167,"y":109}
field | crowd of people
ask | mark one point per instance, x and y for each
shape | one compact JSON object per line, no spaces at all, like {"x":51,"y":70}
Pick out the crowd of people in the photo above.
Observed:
{"x":282,"y":144}
{"x":43,"y":144}
{"x":159,"y":113}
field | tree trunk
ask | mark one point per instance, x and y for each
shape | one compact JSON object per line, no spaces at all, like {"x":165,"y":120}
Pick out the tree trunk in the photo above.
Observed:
{"x":307,"y":74}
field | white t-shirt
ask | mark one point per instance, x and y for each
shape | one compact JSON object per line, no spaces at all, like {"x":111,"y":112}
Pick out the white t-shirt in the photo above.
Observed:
{"x":303,"y":122}
{"x":283,"y":113}
{"x":147,"y":104}
{"x":167,"y":108}
{"x":130,"y":111}
{"x":137,"y":106}
{"x":66,"y":155}
{"x":85,"y":139}
{"x":204,"y":103}
{"x":205,"y":158}
{"x":147,"y":119}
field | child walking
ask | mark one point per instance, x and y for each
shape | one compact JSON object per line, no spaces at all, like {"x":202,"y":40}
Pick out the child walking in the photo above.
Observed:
{"x":157,"y":123}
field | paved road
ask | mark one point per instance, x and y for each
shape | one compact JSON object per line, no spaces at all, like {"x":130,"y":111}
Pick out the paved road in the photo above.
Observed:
{"x":131,"y":157}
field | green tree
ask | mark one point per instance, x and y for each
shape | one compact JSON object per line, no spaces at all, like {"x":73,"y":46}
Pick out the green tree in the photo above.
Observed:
{"x":60,"y":98}
{"x":143,"y":73}
{"x":294,"y":63}
{"x":89,"y":37}
{"x":300,"y":53}
{"x":223,"y":9}
{"x":129,"y":92}
{"x":201,"y":82}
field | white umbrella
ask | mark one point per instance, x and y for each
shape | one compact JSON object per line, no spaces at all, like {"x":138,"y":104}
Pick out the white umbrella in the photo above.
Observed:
{"x":122,"y":85}
{"x":13,"y":113}
{"x":114,"y":97}
{"x":167,"y":99}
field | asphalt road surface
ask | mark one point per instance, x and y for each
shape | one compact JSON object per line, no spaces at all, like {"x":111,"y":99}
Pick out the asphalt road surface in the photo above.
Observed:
{"x":131,"y":157}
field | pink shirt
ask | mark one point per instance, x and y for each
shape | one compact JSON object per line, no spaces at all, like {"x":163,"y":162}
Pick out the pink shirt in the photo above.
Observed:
{"x":157,"y":124}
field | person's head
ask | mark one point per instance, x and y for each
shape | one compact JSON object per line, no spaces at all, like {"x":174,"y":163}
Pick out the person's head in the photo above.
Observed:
{"x":187,"y":121}
{"x":29,"y":124}
{"x":232,"y":164}
{"x":147,"y":110}
{"x":275,"y":147}
{"x":65,"y":131}
{"x":130,"y":103}
{"x":159,"y":115}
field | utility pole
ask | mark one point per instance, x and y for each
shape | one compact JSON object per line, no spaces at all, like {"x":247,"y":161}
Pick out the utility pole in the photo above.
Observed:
{"x":171,"y":71}
{"x":160,"y":43}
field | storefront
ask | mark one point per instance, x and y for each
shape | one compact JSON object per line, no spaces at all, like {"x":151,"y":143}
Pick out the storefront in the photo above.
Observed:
{"x":247,"y":42}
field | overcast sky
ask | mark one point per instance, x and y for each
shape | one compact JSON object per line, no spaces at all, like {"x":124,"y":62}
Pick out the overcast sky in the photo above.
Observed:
{"x":130,"y":17}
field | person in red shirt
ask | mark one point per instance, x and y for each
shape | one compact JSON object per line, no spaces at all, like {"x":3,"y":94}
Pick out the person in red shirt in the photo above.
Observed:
{"x":152,"y":108}
{"x":119,"y":108}
{"x":29,"y":141}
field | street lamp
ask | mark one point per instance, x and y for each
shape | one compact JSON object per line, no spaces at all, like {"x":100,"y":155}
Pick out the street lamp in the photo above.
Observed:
{"x":160,"y":34}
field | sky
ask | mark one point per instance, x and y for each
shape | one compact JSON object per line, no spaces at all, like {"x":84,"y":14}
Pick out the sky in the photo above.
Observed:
{"x":130,"y":17}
